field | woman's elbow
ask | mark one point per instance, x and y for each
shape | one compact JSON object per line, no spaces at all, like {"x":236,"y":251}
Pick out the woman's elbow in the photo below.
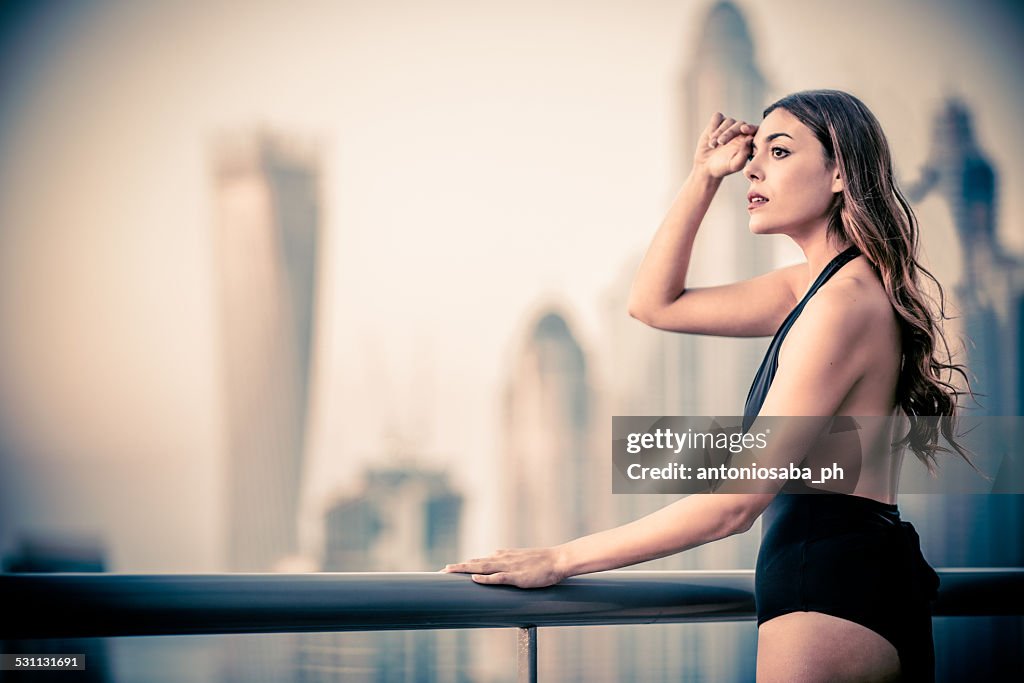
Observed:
{"x":637,"y":313}
{"x":743,"y":524}
{"x":654,"y":311}
{"x":732,"y":522}
{"x":749,"y":508}
{"x":640,"y":311}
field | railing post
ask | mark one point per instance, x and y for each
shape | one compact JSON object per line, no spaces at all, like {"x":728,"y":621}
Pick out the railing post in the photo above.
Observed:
{"x":527,"y":657}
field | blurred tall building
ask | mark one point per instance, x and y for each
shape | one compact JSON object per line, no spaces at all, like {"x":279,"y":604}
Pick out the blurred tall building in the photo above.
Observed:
{"x":267,"y":233}
{"x":711,"y":375}
{"x":266,"y":237}
{"x":990,"y":293}
{"x":554,"y":471}
{"x":977,"y":530}
{"x":653,"y":372}
{"x":990,"y":301}
{"x":404,"y":518}
{"x":546,"y":437}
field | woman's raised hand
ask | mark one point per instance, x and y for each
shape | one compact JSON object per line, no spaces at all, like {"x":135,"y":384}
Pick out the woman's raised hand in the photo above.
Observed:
{"x":522,"y":567}
{"x":724,"y":146}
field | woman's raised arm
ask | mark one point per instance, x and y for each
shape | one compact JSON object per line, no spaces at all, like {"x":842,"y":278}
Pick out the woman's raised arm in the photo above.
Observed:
{"x":659,"y":296}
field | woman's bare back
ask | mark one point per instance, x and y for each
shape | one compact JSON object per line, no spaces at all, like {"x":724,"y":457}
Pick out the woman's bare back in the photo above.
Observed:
{"x":876,"y":362}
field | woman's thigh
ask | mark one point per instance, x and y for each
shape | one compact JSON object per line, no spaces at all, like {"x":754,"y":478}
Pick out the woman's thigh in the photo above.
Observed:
{"x":806,"y":647}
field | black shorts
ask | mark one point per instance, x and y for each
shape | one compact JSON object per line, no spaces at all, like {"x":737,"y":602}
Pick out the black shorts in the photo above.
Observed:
{"x":853,"y":558}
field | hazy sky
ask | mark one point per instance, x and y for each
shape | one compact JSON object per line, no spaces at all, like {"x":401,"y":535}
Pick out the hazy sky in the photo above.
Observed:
{"x":479,"y":158}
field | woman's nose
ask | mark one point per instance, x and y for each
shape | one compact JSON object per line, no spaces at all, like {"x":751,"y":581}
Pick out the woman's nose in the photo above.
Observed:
{"x":751,"y":171}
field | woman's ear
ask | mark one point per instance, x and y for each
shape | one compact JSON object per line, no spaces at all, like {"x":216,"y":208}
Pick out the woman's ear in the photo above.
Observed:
{"x":837,"y":182}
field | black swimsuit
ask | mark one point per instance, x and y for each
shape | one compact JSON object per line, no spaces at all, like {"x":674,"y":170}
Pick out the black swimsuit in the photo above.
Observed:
{"x":844,"y":555}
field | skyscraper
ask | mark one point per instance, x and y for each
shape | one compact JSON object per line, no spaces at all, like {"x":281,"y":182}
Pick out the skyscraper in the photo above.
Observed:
{"x":554,"y":471}
{"x":991,"y":288}
{"x":658,"y":373}
{"x":976,"y":530}
{"x":267,"y":232}
{"x":714,"y":373}
{"x":546,"y":436}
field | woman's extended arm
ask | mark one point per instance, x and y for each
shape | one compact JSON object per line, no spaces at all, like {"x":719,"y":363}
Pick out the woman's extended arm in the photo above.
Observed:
{"x":684,"y":524}
{"x":659,"y":296}
{"x":824,"y":358}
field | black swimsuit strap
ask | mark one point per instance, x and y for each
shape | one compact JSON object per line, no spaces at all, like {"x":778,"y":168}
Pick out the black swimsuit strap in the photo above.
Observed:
{"x":770,"y":364}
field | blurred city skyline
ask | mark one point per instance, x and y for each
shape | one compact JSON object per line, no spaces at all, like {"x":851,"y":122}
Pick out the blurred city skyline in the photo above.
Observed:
{"x":478,"y":162}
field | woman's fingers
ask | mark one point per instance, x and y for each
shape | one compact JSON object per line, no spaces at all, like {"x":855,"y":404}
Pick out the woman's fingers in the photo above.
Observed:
{"x":481,"y":571}
{"x":500,"y":560}
{"x":724,"y":134}
{"x":471,"y":567}
{"x":739,"y":128}
{"x":720,"y":132}
{"x":521,"y":567}
{"x":715,"y":139}
{"x":716,"y":120}
{"x":499,"y":577}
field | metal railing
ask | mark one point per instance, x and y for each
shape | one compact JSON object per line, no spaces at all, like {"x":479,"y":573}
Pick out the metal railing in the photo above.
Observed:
{"x":109,"y":605}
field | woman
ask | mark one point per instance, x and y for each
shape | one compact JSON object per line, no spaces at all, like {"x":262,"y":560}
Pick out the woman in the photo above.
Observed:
{"x":842,"y":589}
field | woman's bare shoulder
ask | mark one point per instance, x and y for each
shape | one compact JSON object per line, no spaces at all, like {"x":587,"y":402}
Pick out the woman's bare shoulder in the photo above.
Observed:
{"x":852,"y":305}
{"x":858,"y":287}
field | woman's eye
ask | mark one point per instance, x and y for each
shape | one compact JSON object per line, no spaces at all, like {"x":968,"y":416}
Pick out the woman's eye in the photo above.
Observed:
{"x":779,"y":149}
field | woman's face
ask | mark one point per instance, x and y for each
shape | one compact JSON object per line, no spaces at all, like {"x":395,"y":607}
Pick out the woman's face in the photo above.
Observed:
{"x":787,"y":167}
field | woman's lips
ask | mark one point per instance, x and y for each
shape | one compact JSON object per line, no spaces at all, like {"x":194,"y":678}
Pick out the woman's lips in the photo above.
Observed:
{"x":756,"y":201}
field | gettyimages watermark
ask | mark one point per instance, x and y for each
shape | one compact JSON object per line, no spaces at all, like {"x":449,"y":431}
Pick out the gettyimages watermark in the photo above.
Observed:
{"x":701,"y":454}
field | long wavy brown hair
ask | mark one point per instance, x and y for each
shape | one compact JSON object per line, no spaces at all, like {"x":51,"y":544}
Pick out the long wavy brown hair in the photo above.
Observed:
{"x":873,"y":214}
